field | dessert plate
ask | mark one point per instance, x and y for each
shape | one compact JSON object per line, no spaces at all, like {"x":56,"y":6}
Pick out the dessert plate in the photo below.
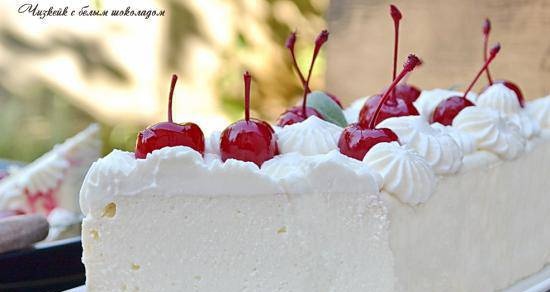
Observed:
{"x":48,"y":266}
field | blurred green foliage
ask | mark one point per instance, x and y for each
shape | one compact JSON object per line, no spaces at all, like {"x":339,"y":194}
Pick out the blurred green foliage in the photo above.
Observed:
{"x":35,"y":115}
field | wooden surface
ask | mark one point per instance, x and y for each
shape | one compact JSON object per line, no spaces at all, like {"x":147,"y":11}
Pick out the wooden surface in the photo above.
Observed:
{"x":446,"y":35}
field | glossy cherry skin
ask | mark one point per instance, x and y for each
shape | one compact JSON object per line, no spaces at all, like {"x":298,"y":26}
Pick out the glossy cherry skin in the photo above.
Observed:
{"x":448,"y":108}
{"x":294,"y":115}
{"x":391,"y":108}
{"x":251,"y":140}
{"x":356,"y":140}
{"x":407,"y":92}
{"x":512,"y":86}
{"x":168,"y":134}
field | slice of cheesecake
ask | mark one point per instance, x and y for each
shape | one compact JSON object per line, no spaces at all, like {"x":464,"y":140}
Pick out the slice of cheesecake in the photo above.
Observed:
{"x":177,"y":221}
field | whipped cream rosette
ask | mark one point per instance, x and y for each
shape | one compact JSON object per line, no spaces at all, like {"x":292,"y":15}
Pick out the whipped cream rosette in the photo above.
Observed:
{"x":439,"y":149}
{"x":491,"y":130}
{"x":505,"y":100}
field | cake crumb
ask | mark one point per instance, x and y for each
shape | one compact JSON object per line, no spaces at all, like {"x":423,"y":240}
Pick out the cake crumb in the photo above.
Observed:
{"x":109,"y":210}
{"x":281,"y":230}
{"x":94,"y":234}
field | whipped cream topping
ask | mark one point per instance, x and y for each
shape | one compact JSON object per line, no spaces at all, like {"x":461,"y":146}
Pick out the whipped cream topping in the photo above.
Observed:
{"x":539,"y":110}
{"x":501,"y":98}
{"x":406,"y":174}
{"x":429,"y":99}
{"x":352,"y":112}
{"x":310,"y":137}
{"x":439,"y":149}
{"x":505,"y":100}
{"x":464,"y":140}
{"x":212,"y":143}
{"x":290,"y":170}
{"x":491,"y":131}
{"x":120,"y":174}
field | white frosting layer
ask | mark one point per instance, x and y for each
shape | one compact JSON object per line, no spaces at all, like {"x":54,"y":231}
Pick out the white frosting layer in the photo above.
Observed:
{"x":539,"y":110}
{"x":491,"y":131}
{"x":429,"y":99}
{"x":406,"y":174}
{"x":212,"y":143}
{"x":440,"y":150}
{"x":119,"y":173}
{"x":352,"y":112}
{"x":310,"y":137}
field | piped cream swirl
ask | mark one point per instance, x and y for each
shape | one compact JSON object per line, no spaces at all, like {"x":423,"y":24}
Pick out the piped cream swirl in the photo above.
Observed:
{"x":464,"y":140}
{"x":505,"y":100}
{"x":440,"y":150}
{"x":501,"y":98}
{"x":406,"y":174}
{"x":310,"y":137}
{"x":491,"y":131}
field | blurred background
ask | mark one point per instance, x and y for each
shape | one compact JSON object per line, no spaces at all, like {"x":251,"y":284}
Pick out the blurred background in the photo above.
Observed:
{"x":59,"y":74}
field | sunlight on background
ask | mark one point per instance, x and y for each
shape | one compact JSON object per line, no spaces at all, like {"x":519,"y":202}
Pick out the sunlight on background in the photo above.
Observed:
{"x":61,"y":73}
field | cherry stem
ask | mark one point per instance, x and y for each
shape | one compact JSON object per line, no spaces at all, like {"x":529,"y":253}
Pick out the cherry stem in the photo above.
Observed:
{"x":170,"y":96}
{"x":319,"y":41}
{"x":290,"y":46}
{"x":486,"y":32}
{"x":396,"y":15}
{"x":412,"y":62}
{"x":494,"y":51}
{"x":247,"y":79}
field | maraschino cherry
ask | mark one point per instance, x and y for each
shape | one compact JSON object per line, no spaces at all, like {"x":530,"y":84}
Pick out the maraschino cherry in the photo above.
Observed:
{"x":358,"y":138}
{"x":249,"y":139}
{"x":509,"y":84}
{"x":169,"y":134}
{"x":400,"y":102}
{"x":447,"y":109}
{"x":301,"y":113}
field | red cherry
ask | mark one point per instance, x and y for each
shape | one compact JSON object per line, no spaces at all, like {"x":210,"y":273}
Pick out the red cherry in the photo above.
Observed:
{"x":391,"y":108}
{"x":169,"y":134}
{"x":296,"y":115}
{"x":407,"y":92}
{"x":509,"y":84}
{"x":447,"y":109}
{"x":249,"y":139}
{"x":358,"y":138}
{"x":400,"y":101}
